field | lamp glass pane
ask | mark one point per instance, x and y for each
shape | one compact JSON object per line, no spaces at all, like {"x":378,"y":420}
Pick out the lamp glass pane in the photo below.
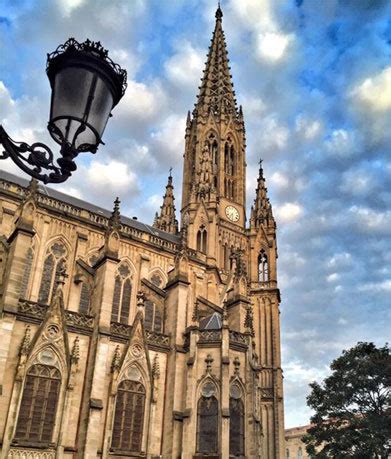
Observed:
{"x":80,"y":97}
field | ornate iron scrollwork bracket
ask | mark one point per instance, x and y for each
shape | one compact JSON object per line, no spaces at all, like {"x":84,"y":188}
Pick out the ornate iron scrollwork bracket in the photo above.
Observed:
{"x":37,"y":159}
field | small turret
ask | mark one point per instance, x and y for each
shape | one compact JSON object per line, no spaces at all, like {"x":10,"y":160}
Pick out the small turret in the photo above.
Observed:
{"x":166,"y":221}
{"x":261,"y":211}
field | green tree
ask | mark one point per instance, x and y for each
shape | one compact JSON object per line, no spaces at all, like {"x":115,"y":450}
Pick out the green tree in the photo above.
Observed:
{"x":353,"y":406}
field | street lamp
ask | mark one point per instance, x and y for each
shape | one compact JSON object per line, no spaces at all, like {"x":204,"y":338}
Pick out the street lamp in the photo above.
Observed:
{"x":86,"y":85}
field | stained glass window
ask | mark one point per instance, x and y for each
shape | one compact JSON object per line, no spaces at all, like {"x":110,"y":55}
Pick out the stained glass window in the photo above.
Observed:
{"x":38,"y":407}
{"x":129,"y":417}
{"x":207,"y":425}
{"x":122,"y":295}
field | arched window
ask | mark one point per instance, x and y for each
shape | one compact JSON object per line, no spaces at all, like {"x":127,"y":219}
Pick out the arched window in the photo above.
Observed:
{"x":236,"y":424}
{"x":85,"y":297}
{"x":207,"y":425}
{"x":153,"y":320}
{"x":55,"y":260}
{"x":157,"y":280}
{"x":38,"y":408}
{"x":122,"y":295}
{"x":129,"y":417}
{"x":263,"y":267}
{"x":299,"y":453}
{"x":26,"y":273}
{"x":287,"y":453}
{"x":202,"y":240}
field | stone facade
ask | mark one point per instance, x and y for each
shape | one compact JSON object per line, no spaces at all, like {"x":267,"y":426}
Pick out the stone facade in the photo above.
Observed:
{"x":120,"y":339}
{"x":294,"y":446}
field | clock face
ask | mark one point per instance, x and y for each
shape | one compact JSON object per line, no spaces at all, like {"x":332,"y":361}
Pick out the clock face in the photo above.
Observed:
{"x":232,"y":213}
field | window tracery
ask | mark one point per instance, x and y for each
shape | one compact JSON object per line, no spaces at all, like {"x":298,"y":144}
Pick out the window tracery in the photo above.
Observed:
{"x":122,"y":295}
{"x":236,"y":425}
{"x":55,"y":262}
{"x":85,"y":298}
{"x":129,"y":417}
{"x":207,"y":420}
{"x":38,"y":407}
{"x":263,"y":267}
{"x":202,"y":239}
{"x":26,"y":273}
{"x":153,"y":320}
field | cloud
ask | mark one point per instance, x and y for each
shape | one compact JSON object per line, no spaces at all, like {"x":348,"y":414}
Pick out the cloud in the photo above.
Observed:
{"x":112,"y":176}
{"x":289,"y":212}
{"x":184,"y":68}
{"x":272,"y":46}
{"x":374,"y":93}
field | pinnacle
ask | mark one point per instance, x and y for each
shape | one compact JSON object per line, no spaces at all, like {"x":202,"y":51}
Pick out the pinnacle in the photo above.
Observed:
{"x":166,"y":221}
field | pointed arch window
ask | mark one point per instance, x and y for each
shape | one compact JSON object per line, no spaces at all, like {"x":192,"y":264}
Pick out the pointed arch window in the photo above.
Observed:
{"x":153,"y":320}
{"x":26,"y":273}
{"x":300,"y":453}
{"x":129,"y":417}
{"x":122,"y":295}
{"x":85,"y":298}
{"x":287,"y":454}
{"x":202,"y":239}
{"x":55,"y":261}
{"x":207,"y":424}
{"x":263,"y":267}
{"x":38,"y":407}
{"x":236,"y":425}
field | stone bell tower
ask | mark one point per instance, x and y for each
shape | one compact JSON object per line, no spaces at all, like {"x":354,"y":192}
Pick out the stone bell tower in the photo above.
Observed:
{"x":214,"y":185}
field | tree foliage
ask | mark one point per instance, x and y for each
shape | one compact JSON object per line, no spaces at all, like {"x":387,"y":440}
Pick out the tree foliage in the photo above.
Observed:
{"x":353,"y":406}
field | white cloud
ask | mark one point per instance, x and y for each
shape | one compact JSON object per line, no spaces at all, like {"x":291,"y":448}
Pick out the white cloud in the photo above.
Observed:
{"x":272,"y":46}
{"x":279,"y":180}
{"x":141,"y":102}
{"x":185,"y":67}
{"x":67,"y":6}
{"x":308,"y":128}
{"x":370,"y":220}
{"x":375,"y":92}
{"x":112,"y":175}
{"x":288,"y":212}
{"x":376,"y":286}
{"x":169,"y":139}
{"x":334,"y":277}
{"x":341,"y":143}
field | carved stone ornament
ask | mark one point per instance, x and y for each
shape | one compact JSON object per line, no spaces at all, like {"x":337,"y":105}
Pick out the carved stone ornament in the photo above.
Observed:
{"x":136,"y":350}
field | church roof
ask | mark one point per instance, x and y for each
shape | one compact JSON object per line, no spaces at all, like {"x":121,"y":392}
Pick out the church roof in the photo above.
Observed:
{"x":212,"y":322}
{"x":50,"y":192}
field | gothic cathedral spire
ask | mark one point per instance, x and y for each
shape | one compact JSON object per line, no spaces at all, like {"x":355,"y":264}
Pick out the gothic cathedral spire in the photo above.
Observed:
{"x":166,"y":221}
{"x":214,"y":184}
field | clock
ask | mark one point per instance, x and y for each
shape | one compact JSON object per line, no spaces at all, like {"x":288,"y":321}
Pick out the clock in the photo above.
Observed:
{"x":232,"y":213}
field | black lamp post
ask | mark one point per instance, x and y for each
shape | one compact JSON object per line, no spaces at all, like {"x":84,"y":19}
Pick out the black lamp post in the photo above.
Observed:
{"x":86,"y":85}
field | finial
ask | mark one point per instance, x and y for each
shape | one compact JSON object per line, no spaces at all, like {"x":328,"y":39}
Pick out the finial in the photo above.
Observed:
{"x":219,"y":13}
{"x":115,"y":218}
{"x":170,"y":175}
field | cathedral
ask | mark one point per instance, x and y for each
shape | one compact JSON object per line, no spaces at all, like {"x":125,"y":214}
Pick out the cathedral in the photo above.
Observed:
{"x":121,"y":339}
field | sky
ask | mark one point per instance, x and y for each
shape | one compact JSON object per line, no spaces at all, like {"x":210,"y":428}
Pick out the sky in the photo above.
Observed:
{"x":314,"y":79}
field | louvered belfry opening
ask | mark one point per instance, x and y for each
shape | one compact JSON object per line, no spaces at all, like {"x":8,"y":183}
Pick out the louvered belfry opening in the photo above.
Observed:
{"x":129,"y":417}
{"x":207,"y":425}
{"x":38,"y":408}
